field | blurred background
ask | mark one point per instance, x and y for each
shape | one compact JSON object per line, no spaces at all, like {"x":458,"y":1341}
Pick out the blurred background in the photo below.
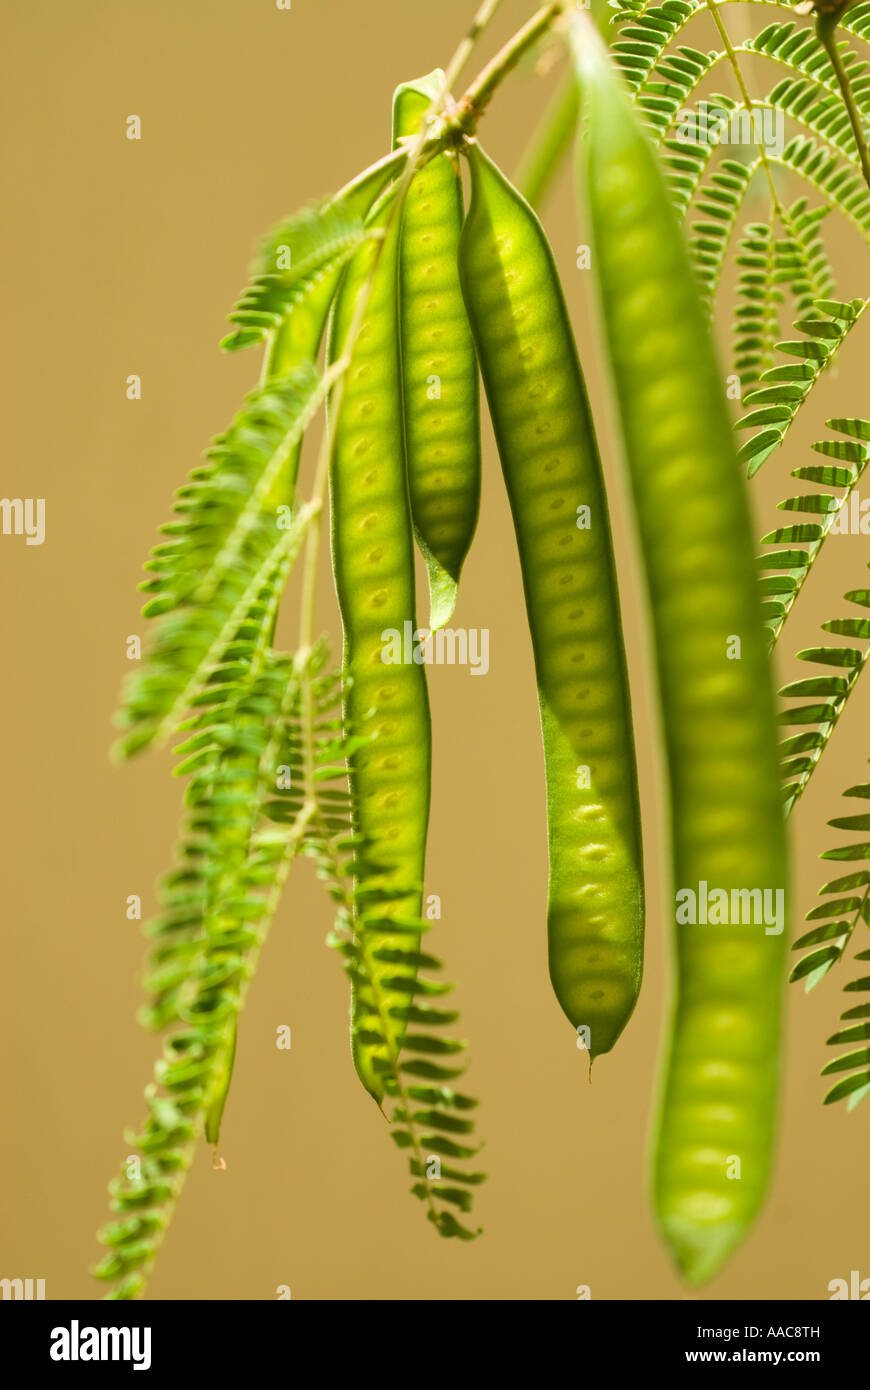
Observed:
{"x":123,"y":257}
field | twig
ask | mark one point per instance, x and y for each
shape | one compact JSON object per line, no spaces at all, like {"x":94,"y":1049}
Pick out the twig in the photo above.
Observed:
{"x":826,"y":30}
{"x":713,"y":7}
{"x":475,"y":100}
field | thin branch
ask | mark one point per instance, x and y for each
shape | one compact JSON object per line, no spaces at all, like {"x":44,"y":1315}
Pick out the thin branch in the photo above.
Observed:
{"x":826,"y":30}
{"x":463,"y":53}
{"x":713,"y":7}
{"x":477,"y":97}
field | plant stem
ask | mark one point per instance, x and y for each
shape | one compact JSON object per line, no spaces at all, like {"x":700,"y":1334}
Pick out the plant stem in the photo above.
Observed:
{"x":472,"y":105}
{"x":713,"y":7}
{"x":826,"y":30}
{"x":464,"y":51}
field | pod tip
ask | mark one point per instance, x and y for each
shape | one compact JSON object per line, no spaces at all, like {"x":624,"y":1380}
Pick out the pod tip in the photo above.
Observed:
{"x":443,"y":590}
{"x":700,"y":1249}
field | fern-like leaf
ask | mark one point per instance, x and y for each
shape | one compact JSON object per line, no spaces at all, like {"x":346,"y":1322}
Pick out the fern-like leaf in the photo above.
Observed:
{"x":300,"y":255}
{"x":430,"y":1119}
{"x":795,"y":261}
{"x":223,"y":564}
{"x":217,"y":904}
{"x":810,"y":94}
{"x":839,"y":183}
{"x":756,"y":317}
{"x":720,"y":202}
{"x":800,"y":753}
{"x":785,"y":571}
{"x":663,"y":77}
{"x":685,"y":161}
{"x":303,"y":256}
{"x":802,"y":264}
{"x":643,"y":34}
{"x":847,"y":903}
{"x":664,"y":104}
{"x":782,"y":390}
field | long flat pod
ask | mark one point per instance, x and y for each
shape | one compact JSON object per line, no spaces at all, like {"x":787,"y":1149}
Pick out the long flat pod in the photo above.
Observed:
{"x":537,"y":399}
{"x":439,"y":369}
{"x":713,"y":1150}
{"x":385,"y":696}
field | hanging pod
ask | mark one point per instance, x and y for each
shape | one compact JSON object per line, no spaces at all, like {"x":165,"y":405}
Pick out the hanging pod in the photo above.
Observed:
{"x":537,"y":400}
{"x":385,"y":701}
{"x":713,"y":1149}
{"x":439,"y":370}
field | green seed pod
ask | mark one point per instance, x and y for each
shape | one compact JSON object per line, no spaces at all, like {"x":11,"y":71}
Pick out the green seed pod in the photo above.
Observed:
{"x":439,"y":371}
{"x":713,"y":1152}
{"x":537,"y":399}
{"x":386,"y":704}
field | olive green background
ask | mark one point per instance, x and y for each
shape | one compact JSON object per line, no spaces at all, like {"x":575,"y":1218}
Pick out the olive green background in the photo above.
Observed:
{"x":123,"y":257}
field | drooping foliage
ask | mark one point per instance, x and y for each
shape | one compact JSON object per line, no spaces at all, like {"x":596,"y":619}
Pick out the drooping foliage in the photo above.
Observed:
{"x":287,"y":757}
